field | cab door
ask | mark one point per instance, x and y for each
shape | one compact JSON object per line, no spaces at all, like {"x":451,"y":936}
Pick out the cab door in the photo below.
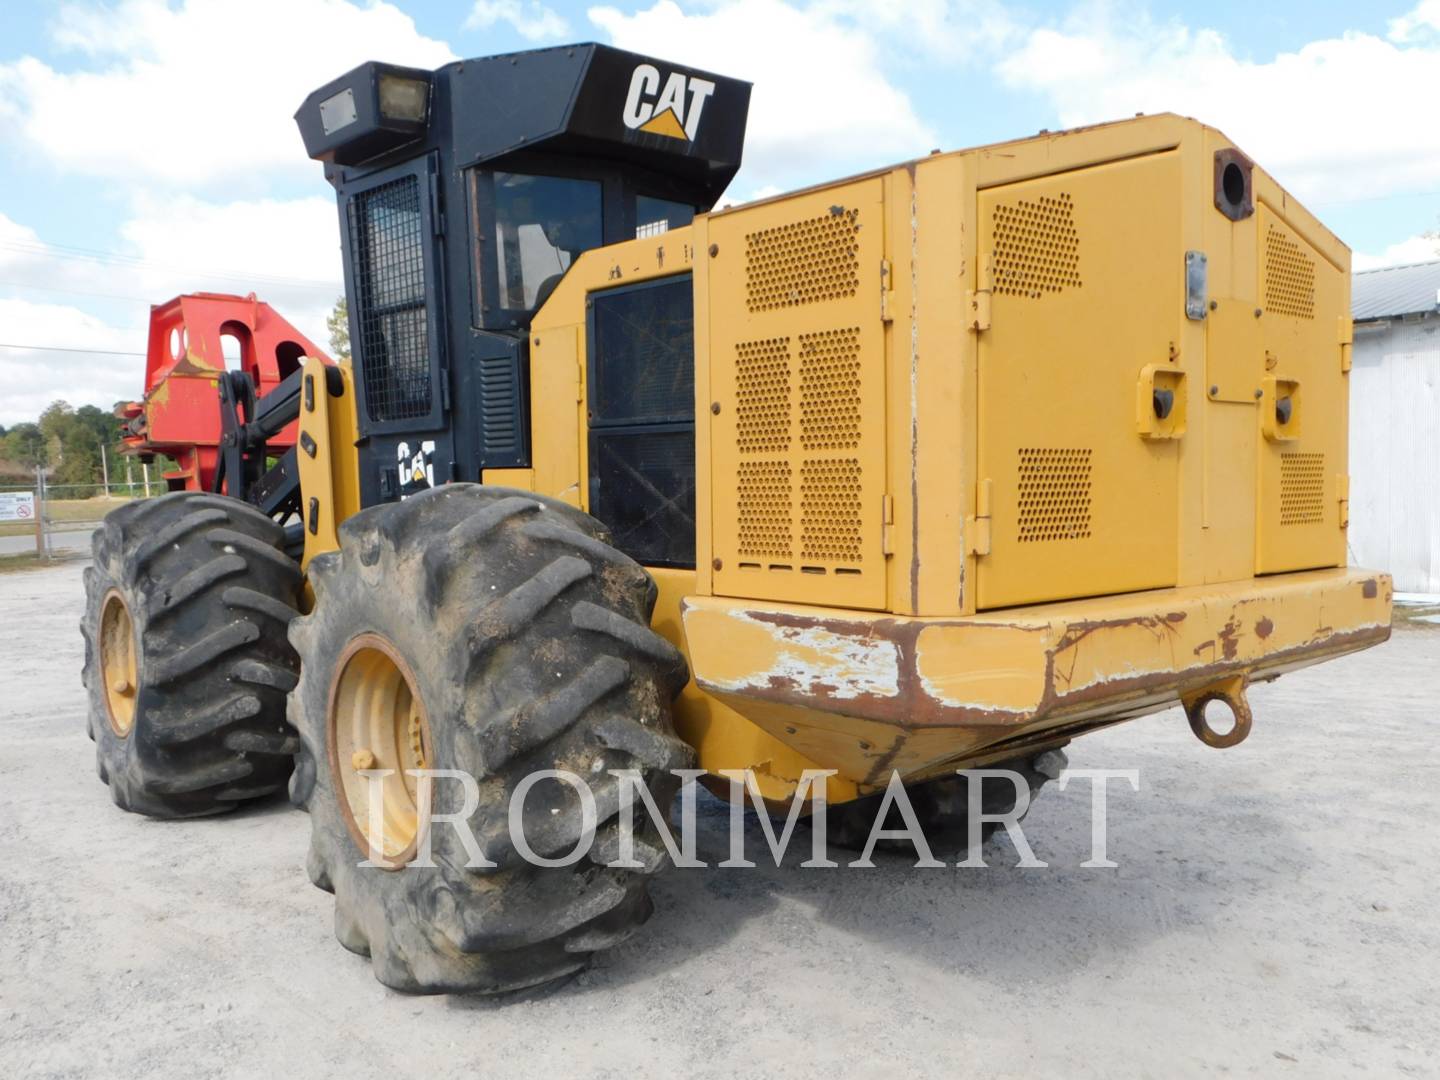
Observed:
{"x":392,"y":275}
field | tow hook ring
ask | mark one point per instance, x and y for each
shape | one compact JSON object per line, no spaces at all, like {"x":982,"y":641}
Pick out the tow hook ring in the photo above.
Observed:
{"x":1232,"y":693}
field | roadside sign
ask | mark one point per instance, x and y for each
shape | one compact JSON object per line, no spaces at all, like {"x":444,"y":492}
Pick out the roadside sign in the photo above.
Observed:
{"x":17,"y":506}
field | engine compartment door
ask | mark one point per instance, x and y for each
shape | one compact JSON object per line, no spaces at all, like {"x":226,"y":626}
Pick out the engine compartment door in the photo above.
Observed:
{"x":1086,"y":275}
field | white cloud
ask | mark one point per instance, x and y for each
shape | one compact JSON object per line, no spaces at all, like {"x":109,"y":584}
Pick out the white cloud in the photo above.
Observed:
{"x":286,"y":251}
{"x":1338,"y":119}
{"x":531,"y":20}
{"x":34,"y":378}
{"x":1423,"y":19}
{"x":30,"y":266}
{"x":764,"y":191}
{"x":957,"y":30}
{"x":1413,"y":250}
{"x":821,"y":101}
{"x":200,"y":93}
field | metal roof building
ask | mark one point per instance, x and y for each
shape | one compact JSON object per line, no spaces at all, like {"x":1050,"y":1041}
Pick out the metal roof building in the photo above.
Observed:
{"x":1396,"y":291}
{"x":1395,"y":424}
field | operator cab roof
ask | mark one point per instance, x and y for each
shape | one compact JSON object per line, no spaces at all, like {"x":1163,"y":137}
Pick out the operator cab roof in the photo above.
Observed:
{"x":575,"y":101}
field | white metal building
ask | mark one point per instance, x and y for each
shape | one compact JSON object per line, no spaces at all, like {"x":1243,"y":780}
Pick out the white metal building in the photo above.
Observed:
{"x":1395,"y":425}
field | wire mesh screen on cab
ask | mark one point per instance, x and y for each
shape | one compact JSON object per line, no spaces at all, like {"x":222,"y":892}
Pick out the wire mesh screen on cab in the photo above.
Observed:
{"x":642,"y":420}
{"x":387,"y":241}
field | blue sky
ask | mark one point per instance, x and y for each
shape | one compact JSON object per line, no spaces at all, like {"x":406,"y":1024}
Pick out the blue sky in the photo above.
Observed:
{"x":146,"y":148}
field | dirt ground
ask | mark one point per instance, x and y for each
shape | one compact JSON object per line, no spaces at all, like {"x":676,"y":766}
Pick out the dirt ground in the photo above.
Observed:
{"x":1273,"y":913}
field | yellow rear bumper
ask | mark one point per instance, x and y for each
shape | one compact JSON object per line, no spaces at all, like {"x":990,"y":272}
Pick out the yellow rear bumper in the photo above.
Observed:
{"x":866,"y":694}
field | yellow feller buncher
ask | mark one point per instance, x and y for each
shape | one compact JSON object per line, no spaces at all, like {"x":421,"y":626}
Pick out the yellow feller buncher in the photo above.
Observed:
{"x":932,"y":468}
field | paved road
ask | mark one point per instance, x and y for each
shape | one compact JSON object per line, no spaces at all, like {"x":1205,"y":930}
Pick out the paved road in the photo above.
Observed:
{"x":66,"y":541}
{"x":1273,"y":914}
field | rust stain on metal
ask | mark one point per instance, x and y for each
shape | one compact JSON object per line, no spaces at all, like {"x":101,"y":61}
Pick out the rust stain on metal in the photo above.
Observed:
{"x":911,"y":707}
{"x":1120,"y":688}
{"x":193,"y":363}
{"x":1078,"y":631}
{"x":876,"y":775}
{"x":1229,"y":638}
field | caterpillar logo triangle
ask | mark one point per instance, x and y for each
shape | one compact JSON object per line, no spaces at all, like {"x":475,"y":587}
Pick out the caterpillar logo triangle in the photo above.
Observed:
{"x":669,"y":106}
{"x":665,"y":123}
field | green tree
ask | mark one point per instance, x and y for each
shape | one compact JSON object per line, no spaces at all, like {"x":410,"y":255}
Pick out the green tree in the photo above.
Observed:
{"x":56,"y":419}
{"x":79,"y":458}
{"x":25,"y":445}
{"x":105,"y":426}
{"x":73,"y":440}
{"x":338,"y":323}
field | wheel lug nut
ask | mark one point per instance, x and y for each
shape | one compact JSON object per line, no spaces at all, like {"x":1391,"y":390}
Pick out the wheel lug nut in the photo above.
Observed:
{"x":120,"y":685}
{"x":362,"y":759}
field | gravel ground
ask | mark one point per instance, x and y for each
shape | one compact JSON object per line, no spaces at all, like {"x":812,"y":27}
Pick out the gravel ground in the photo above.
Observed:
{"x":1273,"y":913}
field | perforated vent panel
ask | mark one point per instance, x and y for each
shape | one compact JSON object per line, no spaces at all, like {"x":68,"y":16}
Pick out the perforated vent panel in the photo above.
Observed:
{"x":830,"y":390}
{"x":763,"y":491}
{"x":762,"y":396}
{"x":1054,"y":492}
{"x":797,"y":398}
{"x":1289,"y":276}
{"x":829,"y":419}
{"x":830,"y":522}
{"x":803,"y":262}
{"x":1302,"y":488}
{"x":1037,"y":247}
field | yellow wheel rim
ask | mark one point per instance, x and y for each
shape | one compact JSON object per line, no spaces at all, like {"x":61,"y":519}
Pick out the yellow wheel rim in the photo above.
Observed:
{"x":377,"y":722}
{"x":119,"y":663}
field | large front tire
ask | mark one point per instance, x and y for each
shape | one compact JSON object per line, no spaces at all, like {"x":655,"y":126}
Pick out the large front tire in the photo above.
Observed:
{"x":186,"y":659}
{"x":494,"y":633}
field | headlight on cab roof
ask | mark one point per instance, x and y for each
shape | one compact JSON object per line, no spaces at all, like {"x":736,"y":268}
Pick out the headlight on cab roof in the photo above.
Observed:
{"x":403,"y":99}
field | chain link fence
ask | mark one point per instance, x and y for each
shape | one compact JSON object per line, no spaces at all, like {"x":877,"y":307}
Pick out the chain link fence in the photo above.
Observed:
{"x":61,"y":517}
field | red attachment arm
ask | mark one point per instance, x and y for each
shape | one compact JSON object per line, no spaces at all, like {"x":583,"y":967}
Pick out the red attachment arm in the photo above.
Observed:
{"x":180,"y":414}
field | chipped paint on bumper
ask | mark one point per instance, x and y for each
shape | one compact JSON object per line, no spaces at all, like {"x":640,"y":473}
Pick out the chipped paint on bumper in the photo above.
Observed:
{"x":811,"y":659}
{"x":854,"y":689}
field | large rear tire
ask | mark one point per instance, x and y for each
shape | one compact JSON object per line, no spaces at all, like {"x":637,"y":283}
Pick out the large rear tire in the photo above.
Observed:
{"x":496,"y":633}
{"x":186,"y":659}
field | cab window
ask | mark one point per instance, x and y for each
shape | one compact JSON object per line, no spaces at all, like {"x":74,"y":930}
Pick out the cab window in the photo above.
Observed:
{"x":542,"y":224}
{"x":654,"y":216}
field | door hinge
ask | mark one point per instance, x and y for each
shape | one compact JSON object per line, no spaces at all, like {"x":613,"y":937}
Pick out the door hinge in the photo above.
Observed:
{"x":1347,"y":341}
{"x":887,"y":524}
{"x":977,"y":308}
{"x":887,"y":291}
{"x":977,"y":300}
{"x":437,"y":209}
{"x":1343,"y":484}
{"x":977,"y":525}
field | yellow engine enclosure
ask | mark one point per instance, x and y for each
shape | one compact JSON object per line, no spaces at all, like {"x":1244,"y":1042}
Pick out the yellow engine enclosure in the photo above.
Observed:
{"x":941,"y":518}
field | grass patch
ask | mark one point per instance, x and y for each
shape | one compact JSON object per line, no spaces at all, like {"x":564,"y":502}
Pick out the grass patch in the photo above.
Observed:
{"x":11,"y":564}
{"x":1418,"y":615}
{"x":59,"y":511}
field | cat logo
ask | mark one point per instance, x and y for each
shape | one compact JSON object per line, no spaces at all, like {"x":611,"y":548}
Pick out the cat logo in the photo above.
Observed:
{"x":673,"y":111}
{"x":417,"y":471}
